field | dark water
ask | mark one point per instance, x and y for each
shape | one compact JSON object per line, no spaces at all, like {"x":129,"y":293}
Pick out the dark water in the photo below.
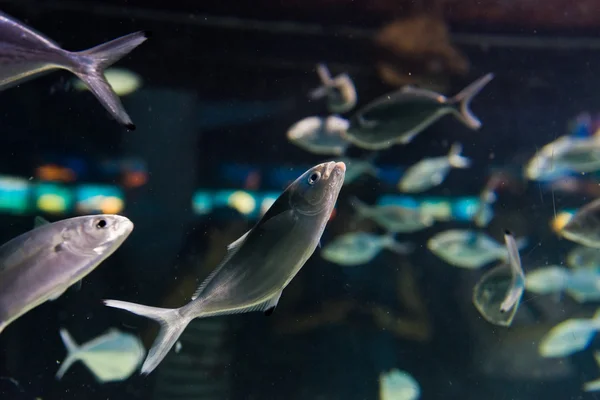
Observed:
{"x":217,"y":98}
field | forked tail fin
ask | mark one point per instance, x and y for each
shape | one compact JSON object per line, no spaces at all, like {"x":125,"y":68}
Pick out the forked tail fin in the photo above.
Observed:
{"x":172,"y":325}
{"x":463,"y":99}
{"x":101,"y":57}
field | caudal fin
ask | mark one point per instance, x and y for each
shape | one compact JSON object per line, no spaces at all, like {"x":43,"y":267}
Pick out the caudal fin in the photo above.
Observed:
{"x":326,"y":83}
{"x":72,"y":350}
{"x":101,"y":57}
{"x":172,"y":325}
{"x":464,"y":99}
{"x":455,"y":159}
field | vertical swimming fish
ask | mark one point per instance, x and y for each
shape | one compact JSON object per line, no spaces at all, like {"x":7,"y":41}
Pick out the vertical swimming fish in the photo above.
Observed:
{"x":498,"y":293}
{"x":41,"y":264}
{"x":340,"y":91}
{"x":259,"y":265}
{"x":398,"y":117}
{"x":25,"y":54}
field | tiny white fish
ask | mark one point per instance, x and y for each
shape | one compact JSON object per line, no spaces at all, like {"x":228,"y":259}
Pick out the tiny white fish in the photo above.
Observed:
{"x":320,"y":135}
{"x":569,"y":337}
{"x":398,"y":385}
{"x":358,"y":248}
{"x":547,"y":280}
{"x":340,"y":91}
{"x":468,"y":249}
{"x":430,"y":172}
{"x":394,"y":218}
{"x":111,"y":357}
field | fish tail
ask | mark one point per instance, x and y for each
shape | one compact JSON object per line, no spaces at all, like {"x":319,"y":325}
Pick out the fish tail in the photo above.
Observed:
{"x":92,"y":75}
{"x":390,"y":243}
{"x":72,"y":350}
{"x":172,"y":325}
{"x":455,"y":159}
{"x":326,"y":81}
{"x":464,"y":100}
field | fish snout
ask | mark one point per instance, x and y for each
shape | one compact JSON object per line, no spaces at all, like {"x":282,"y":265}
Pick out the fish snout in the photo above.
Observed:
{"x":123,"y":225}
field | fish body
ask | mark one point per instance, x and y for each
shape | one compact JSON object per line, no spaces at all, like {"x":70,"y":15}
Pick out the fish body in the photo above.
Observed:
{"x":25,"y":54}
{"x":111,"y":357}
{"x":430,"y":172}
{"x":320,"y":135}
{"x":569,"y":337}
{"x":259,"y":265}
{"x":394,"y":218}
{"x":467,"y":248}
{"x":398,"y":385}
{"x":396,"y":118}
{"x":43,"y":263}
{"x":498,"y":293}
{"x":584,"y":227}
{"x":358,"y":248}
{"x":547,"y":280}
{"x":564,"y":156}
{"x":340,"y":91}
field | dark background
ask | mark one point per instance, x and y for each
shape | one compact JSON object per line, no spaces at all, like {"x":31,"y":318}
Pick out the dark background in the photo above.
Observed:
{"x":232,"y":57}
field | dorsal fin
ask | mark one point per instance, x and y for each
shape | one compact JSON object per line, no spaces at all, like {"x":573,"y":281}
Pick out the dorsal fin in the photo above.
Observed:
{"x":39,"y":221}
{"x":231,"y":250}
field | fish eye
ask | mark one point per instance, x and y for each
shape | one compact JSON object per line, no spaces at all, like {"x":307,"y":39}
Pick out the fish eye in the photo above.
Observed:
{"x":101,"y":224}
{"x":314,"y":177}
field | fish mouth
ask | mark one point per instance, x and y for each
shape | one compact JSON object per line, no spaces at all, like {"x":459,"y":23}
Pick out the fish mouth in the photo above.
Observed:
{"x":123,"y":226}
{"x":337,"y":168}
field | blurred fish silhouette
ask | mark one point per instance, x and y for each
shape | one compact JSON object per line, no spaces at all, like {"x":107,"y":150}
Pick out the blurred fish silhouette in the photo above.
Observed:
{"x":340,"y":91}
{"x":111,"y":357}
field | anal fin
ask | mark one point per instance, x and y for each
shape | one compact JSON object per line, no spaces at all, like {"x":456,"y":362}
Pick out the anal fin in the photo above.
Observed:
{"x":271,"y":305}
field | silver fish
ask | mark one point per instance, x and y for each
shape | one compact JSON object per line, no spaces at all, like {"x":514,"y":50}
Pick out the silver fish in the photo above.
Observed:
{"x":584,"y":227}
{"x":564,"y":156}
{"x":398,"y":117}
{"x":111,"y":357}
{"x":569,"y":337}
{"x":25,"y":54}
{"x":259,"y":265}
{"x":320,"y":135}
{"x":41,"y":264}
{"x":358,"y":248}
{"x":498,"y":293}
{"x":467,"y":248}
{"x":340,"y":91}
{"x":394,"y":218}
{"x":430,"y":172}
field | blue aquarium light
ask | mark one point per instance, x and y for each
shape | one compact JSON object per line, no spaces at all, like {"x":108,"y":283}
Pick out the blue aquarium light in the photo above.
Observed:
{"x":105,"y":199}
{"x":14,"y":194}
